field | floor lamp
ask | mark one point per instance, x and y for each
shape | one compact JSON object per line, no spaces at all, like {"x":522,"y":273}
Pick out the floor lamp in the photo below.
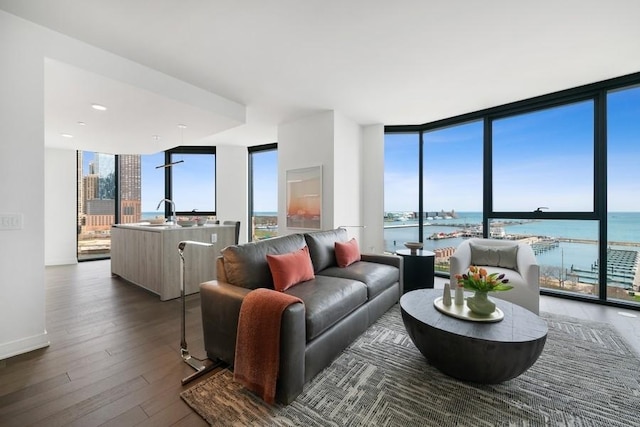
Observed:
{"x":201,"y":366}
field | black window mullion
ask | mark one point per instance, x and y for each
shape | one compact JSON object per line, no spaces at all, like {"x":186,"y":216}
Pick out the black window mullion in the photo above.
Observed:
{"x":487,"y":173}
{"x":421,"y":187}
{"x":600,"y":187}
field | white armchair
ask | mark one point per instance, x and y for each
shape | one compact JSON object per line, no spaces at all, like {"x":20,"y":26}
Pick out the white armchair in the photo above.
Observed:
{"x":500,"y":256}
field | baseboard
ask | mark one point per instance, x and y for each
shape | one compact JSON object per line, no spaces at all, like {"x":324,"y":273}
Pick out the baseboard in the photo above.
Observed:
{"x":50,"y":263}
{"x":23,"y":345}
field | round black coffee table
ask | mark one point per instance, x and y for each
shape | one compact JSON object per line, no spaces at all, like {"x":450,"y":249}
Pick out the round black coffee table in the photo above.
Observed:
{"x":479,"y":352}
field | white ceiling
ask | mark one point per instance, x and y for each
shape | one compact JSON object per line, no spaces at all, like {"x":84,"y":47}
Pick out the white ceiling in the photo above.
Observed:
{"x":375,"y":61}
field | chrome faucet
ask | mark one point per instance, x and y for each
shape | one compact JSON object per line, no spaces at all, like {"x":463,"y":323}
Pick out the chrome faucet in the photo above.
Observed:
{"x":173,"y":218}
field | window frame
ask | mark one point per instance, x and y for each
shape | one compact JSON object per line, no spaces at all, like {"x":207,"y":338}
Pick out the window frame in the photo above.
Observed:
{"x":597,"y":92}
{"x":168,"y":177}
{"x":250,"y":151}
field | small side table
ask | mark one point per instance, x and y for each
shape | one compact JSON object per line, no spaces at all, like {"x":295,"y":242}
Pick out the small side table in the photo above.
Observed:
{"x":418,"y":270}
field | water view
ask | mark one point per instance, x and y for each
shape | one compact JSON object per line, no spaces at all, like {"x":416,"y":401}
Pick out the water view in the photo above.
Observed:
{"x":566,"y":250}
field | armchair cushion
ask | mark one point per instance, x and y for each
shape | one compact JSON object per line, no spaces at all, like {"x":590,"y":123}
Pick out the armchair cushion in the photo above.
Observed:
{"x":524,"y":277}
{"x":495,"y":256}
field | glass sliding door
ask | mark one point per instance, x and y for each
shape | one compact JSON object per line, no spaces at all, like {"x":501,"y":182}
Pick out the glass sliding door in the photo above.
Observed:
{"x":623,"y":188}
{"x":401,"y":189}
{"x":96,"y":204}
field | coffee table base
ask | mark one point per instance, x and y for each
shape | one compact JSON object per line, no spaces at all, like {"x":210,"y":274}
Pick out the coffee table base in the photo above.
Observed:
{"x":471,"y":351}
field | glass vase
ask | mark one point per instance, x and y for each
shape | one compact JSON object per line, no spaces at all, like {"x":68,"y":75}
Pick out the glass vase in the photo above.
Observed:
{"x":480,"y":304}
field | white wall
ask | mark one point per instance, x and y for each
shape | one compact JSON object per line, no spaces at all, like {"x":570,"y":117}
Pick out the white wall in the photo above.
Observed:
{"x":373,"y":187}
{"x":347,"y":188}
{"x":232,"y":186}
{"x":334,"y":141}
{"x":305,"y":143}
{"x":22,"y":297}
{"x":60,"y":243}
{"x":23,"y":49}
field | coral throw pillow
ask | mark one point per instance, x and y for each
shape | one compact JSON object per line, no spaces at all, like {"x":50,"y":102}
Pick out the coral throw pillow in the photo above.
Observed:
{"x":347,"y":253}
{"x":290,"y":269}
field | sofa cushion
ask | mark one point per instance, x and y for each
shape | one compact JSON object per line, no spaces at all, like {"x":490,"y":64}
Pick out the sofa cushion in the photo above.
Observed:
{"x":347,"y":253}
{"x":496,"y":256}
{"x":290,"y":269}
{"x":322,"y":247}
{"x":246,"y":265}
{"x":327,"y":300}
{"x":377,"y":277}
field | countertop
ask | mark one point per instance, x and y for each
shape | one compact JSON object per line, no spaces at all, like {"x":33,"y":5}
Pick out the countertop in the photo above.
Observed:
{"x":146,"y":226}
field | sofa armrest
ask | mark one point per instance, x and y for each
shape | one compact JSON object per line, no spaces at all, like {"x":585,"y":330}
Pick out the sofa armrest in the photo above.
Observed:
{"x":530,"y":271}
{"x":220,"y":303}
{"x":393,"y":260}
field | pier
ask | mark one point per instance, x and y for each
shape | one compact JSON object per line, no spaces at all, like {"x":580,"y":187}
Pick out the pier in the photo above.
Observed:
{"x":544,"y":245}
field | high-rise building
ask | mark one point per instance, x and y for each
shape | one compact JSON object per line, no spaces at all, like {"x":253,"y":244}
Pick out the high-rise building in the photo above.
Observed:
{"x":130,"y":177}
{"x":130,"y":188}
{"x":97,"y":195}
{"x":90,"y":189}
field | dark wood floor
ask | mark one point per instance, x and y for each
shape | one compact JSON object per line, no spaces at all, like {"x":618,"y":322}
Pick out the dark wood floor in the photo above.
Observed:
{"x":114,"y":357}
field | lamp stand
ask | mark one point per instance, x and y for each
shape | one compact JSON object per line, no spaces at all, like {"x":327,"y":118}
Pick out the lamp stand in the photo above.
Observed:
{"x":201,"y":366}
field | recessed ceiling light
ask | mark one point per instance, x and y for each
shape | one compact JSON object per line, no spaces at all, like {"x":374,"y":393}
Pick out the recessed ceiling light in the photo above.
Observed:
{"x":182,"y":126}
{"x":98,"y":107}
{"x":82,"y":124}
{"x":66,"y":135}
{"x":155,"y":137}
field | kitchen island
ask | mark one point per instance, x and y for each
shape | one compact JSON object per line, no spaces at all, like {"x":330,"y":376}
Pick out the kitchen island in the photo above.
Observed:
{"x":147,"y":255}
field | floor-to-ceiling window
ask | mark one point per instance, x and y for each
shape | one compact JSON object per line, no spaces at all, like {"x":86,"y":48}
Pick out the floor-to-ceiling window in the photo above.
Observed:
{"x":128,"y":188}
{"x":623,"y":194}
{"x":558,"y":171}
{"x":401,"y":189}
{"x":543,"y":163}
{"x":452,"y":166}
{"x":263,"y":191}
{"x":96,"y":189}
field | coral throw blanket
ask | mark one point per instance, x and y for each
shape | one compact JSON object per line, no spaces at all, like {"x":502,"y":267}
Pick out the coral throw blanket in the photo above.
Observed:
{"x":258,"y":341}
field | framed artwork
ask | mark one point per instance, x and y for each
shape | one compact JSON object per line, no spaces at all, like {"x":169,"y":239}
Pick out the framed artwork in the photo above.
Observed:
{"x":304,"y":198}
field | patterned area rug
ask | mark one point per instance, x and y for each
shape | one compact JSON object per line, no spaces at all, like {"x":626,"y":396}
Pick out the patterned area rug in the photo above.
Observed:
{"x":586,"y":376}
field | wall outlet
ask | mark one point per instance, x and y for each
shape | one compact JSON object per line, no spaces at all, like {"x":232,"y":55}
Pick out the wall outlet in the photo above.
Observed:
{"x":214,"y":237}
{"x":10,"y":221}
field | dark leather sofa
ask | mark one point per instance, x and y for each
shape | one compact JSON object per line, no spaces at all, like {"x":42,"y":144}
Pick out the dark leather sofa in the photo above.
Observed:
{"x":339,"y":304}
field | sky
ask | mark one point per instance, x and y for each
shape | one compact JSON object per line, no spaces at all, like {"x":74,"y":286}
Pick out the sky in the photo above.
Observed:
{"x":543,"y":158}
